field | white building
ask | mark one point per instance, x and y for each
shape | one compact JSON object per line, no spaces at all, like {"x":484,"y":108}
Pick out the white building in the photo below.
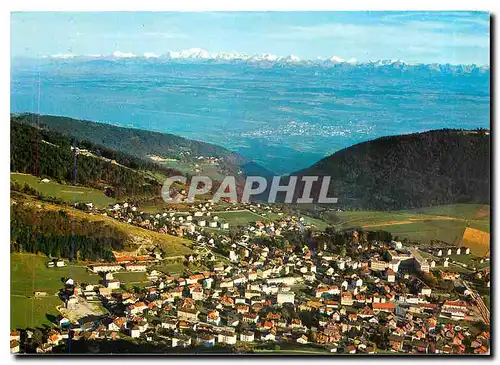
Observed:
{"x":247,"y":336}
{"x":60,"y":263}
{"x":426,"y":291}
{"x":106,"y":267}
{"x":286,"y":298}
{"x":113,"y":284}
{"x":135,"y":332}
{"x":227,"y":338}
{"x":136,"y":267}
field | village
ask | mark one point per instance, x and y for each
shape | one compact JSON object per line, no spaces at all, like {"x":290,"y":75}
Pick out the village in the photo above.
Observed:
{"x":272,"y":285}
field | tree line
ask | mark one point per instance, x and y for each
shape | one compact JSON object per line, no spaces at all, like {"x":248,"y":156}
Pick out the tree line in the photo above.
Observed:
{"x":58,"y":234}
{"x":46,"y":153}
{"x":410,"y":171}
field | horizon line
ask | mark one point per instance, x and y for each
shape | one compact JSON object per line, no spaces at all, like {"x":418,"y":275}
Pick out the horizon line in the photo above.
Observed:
{"x":199,"y":54}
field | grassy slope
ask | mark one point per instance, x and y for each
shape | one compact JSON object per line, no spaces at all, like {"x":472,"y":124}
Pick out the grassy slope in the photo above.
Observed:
{"x":67,"y":193}
{"x":29,"y":273}
{"x":446,"y":223}
{"x":476,"y":215}
{"x":464,"y":211}
{"x":173,"y":246}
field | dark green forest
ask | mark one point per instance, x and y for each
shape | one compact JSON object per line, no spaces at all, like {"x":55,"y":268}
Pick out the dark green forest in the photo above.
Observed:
{"x":136,"y":142}
{"x":410,"y":171}
{"x":54,"y":232}
{"x":46,"y":153}
{"x":397,"y":172}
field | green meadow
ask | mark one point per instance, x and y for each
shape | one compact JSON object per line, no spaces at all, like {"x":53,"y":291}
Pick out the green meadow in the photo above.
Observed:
{"x":446,"y":223}
{"x":239,"y":218}
{"x":29,"y":273}
{"x":67,"y":193}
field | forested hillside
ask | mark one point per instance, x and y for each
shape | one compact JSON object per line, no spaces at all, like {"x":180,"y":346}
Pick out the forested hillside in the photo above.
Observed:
{"x":56,"y":234}
{"x":46,"y":153}
{"x":410,"y":171}
{"x":58,"y":231}
{"x":137,"y":142}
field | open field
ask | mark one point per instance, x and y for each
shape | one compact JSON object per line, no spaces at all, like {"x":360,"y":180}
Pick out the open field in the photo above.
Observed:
{"x":477,"y":240}
{"x":447,"y":223}
{"x":132,"y":277}
{"x":425,"y":231}
{"x":29,"y":273}
{"x":239,"y":218}
{"x":476,"y":215}
{"x":67,"y":193}
{"x":32,"y":312}
{"x":472,"y":213}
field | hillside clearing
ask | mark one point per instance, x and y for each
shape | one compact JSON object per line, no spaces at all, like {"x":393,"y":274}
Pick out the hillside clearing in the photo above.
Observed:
{"x":67,"y":193}
{"x":136,"y":236}
{"x":447,"y":223}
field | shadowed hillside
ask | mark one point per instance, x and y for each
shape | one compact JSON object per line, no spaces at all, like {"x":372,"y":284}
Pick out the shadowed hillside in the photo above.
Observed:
{"x":410,"y":171}
{"x":141,"y":143}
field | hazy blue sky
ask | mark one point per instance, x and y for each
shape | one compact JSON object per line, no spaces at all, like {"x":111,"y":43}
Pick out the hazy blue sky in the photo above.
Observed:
{"x":454,"y":37}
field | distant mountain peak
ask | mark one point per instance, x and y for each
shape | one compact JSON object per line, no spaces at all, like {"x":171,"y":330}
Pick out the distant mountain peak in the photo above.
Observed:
{"x":336,"y":59}
{"x":119,"y":54}
{"x":202,"y":55}
{"x":151,"y":55}
{"x":291,"y":58}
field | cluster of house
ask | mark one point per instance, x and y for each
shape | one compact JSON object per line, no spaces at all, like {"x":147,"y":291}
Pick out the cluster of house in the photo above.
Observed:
{"x":369,"y":299}
{"x":444,"y":255}
{"x":448,"y":251}
{"x":172,"y":222}
{"x":191,"y":223}
{"x":265,"y":294}
{"x":127,"y":263}
{"x":56,"y":263}
{"x":204,"y":160}
{"x":270,"y":228}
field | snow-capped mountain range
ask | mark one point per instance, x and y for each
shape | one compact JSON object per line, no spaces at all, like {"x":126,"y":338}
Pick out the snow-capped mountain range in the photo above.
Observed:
{"x":188,"y":54}
{"x":198,"y":54}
